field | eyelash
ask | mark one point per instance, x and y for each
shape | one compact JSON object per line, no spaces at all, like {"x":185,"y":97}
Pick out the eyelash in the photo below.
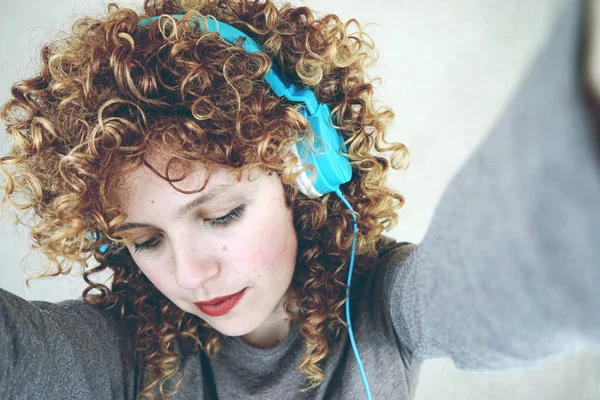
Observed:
{"x":229,"y":218}
{"x":221,"y":222}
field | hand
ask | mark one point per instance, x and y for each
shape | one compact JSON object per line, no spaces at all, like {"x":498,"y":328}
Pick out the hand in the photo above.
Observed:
{"x":591,"y":55}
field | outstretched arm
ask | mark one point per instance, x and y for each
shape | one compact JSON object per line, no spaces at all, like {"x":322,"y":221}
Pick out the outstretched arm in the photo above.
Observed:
{"x":509,"y":270}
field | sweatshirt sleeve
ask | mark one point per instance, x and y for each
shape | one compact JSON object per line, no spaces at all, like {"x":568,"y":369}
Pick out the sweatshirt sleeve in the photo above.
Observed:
{"x":508,"y":272}
{"x":64,"y":350}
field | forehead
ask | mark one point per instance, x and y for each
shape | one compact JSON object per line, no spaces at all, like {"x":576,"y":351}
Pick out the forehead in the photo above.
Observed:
{"x":162,"y":176}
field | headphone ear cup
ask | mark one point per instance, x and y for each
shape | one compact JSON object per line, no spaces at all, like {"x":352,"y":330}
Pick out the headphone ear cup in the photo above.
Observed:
{"x":327,"y":157}
{"x":303,"y":181}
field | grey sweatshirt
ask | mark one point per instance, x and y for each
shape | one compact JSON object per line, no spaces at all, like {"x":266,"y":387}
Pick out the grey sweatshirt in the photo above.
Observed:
{"x":507,"y":275}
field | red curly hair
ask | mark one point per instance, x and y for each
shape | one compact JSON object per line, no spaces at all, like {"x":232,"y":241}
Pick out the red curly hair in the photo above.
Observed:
{"x":112,"y":90}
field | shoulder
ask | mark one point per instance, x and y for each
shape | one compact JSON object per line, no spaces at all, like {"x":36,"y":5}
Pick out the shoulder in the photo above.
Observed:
{"x":374,"y":292}
{"x":77,"y":315}
{"x":89,"y":330}
{"x":389,"y":249}
{"x":392,"y":257}
{"x":68,"y":341}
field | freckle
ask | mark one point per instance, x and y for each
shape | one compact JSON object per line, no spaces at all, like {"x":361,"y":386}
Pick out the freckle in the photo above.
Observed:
{"x":152,"y":201}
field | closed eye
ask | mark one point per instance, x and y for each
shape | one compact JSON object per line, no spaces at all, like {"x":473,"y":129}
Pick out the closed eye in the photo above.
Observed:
{"x":220,"y":222}
{"x":148,"y":244}
{"x":228,"y":219}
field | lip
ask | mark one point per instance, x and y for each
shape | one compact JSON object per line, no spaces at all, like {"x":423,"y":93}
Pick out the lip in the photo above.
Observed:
{"x":220,"y":305}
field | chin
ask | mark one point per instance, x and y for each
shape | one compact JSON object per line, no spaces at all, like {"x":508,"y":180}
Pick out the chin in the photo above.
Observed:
{"x":231,"y":328}
{"x":232,"y":324}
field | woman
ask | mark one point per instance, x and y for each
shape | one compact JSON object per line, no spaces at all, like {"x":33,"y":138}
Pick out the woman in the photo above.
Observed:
{"x":157,"y":147}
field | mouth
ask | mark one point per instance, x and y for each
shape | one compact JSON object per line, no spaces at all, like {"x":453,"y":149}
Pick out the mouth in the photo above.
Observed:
{"x":221,"y":305}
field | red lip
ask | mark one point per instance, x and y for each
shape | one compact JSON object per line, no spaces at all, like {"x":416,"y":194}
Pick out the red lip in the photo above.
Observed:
{"x":220,"y":305}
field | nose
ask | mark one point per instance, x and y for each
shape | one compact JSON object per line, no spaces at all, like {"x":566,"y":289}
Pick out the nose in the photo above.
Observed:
{"x":195,"y":264}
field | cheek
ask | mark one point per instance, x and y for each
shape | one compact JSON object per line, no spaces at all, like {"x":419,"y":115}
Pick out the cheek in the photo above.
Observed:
{"x":162,"y":280}
{"x":271,"y":246}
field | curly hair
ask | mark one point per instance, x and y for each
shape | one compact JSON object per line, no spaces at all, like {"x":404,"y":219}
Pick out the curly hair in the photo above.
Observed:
{"x":111,"y":90}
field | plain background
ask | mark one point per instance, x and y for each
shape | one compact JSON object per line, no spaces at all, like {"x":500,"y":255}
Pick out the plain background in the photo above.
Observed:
{"x":447,"y":69}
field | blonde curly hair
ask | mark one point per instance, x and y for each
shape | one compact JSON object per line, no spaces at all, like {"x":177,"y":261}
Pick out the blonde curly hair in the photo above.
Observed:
{"x":112,"y":90}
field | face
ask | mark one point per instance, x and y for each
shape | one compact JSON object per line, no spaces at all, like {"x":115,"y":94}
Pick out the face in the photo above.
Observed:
{"x":233,"y":238}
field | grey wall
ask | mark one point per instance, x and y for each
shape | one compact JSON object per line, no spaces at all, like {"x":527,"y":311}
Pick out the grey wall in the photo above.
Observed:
{"x":447,"y":69}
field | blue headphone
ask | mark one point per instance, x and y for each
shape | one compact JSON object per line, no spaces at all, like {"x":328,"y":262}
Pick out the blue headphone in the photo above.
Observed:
{"x":332,"y":168}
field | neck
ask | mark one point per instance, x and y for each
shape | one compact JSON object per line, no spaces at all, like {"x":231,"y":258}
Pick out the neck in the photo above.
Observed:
{"x":274,"y":329}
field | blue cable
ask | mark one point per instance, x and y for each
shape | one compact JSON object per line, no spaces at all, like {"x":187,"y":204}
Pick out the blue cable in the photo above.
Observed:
{"x":350,"y":332}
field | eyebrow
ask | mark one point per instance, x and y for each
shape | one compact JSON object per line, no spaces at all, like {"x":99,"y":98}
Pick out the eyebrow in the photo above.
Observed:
{"x":205,"y":197}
